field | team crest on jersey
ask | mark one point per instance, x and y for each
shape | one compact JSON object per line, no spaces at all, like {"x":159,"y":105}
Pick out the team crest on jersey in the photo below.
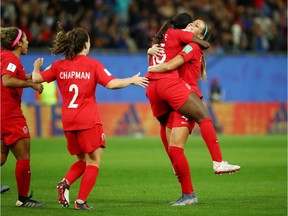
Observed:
{"x":187,"y":49}
{"x":25,"y":129}
{"x":11,"y":67}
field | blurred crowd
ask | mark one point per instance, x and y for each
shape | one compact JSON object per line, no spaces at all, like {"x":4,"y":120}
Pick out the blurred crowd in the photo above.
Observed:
{"x":129,"y":25}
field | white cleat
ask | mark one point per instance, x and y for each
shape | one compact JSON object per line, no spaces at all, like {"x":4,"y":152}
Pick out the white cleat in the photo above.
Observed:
{"x":224,"y":168}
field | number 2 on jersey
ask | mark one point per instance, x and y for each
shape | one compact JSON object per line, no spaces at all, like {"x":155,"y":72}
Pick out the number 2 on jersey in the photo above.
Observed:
{"x":73,"y":88}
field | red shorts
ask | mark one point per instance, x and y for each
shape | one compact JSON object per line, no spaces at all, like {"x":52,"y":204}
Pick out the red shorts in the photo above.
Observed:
{"x":178,"y":120}
{"x":166,"y":95}
{"x":13,"y":130}
{"x":85,"y":141}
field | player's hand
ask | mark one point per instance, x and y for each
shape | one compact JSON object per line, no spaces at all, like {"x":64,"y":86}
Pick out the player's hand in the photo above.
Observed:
{"x":155,"y":50}
{"x":28,"y":77}
{"x":38,"y":63}
{"x":38,"y":87}
{"x":151,"y":68}
{"x":140,"y":81}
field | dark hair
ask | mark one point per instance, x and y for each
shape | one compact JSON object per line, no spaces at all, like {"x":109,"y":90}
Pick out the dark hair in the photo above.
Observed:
{"x":8,"y":36}
{"x":179,"y":21}
{"x":69,"y":43}
{"x":206,"y":32}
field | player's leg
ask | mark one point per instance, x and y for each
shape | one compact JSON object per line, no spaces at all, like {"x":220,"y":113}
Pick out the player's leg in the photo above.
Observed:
{"x":4,"y":155}
{"x":21,"y":151}
{"x":4,"y":152}
{"x":89,"y":178}
{"x":75,"y":171}
{"x":194,"y":109}
{"x":92,"y":142}
{"x":178,"y":138}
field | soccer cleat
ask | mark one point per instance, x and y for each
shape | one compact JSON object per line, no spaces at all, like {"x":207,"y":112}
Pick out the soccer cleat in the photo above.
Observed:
{"x":224,"y":168}
{"x":63,"y":193}
{"x":82,"y":206}
{"x":27,"y":202}
{"x":4,"y":188}
{"x":186,"y":199}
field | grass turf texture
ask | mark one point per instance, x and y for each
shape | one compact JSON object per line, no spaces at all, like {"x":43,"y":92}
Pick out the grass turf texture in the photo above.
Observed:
{"x":136,"y":178}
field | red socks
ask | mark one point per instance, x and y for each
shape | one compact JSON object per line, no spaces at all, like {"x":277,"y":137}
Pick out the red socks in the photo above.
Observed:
{"x":23,"y":176}
{"x":181,"y":168}
{"x":75,"y":171}
{"x":87,"y":182}
{"x":164,"y":140}
{"x":209,"y":136}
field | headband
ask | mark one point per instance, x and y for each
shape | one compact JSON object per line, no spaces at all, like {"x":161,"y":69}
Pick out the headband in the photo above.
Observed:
{"x":206,"y":29}
{"x":17,"y":38}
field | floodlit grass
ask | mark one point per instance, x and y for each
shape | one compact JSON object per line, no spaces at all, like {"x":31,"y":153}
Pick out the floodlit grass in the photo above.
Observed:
{"x":136,"y":179}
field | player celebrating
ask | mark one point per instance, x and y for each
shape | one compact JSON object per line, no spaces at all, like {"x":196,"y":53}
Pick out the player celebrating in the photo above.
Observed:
{"x":77,"y":76}
{"x":194,"y":109}
{"x":15,"y":134}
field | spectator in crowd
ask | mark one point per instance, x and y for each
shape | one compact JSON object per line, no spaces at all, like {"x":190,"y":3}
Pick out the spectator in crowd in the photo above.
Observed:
{"x":215,"y":91}
{"x":236,"y":21}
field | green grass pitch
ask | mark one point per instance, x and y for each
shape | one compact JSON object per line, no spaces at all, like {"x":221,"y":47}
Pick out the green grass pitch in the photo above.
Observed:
{"x":136,"y":179}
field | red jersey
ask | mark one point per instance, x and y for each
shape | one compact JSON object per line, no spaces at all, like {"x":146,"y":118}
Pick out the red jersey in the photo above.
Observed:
{"x":11,"y":97}
{"x":77,"y":80}
{"x":190,"y":71}
{"x":174,"y":40}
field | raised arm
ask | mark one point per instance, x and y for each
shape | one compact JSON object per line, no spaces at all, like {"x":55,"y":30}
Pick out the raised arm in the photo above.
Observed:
{"x":36,"y":76}
{"x":174,"y":63}
{"x":134,"y":80}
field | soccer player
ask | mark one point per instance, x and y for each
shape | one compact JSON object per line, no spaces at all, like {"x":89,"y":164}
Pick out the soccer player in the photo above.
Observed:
{"x":181,"y":125}
{"x":15,"y":134}
{"x":77,"y":76}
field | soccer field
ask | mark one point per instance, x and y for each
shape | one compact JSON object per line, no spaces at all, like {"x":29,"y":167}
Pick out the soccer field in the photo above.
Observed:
{"x":136,"y":179}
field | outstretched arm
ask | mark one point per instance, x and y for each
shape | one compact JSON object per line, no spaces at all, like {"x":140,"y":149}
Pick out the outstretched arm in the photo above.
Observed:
{"x":134,"y":80}
{"x":174,"y":63}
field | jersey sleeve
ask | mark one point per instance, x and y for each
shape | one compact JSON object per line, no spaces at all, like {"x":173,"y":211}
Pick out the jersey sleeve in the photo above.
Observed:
{"x":9,"y":67}
{"x":49,"y":74}
{"x":190,"y":51}
{"x":103,"y":75}
{"x":184,"y":36}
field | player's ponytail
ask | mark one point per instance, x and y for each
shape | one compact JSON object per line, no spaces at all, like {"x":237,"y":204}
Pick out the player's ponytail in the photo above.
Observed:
{"x":60,"y":43}
{"x":69,"y":43}
{"x":160,"y":34}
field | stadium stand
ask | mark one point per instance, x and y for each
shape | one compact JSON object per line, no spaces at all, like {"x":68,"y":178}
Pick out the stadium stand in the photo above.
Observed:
{"x":128,"y":25}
